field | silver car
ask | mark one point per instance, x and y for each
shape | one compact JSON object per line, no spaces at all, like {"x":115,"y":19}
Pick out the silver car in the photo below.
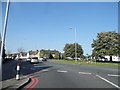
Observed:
{"x":34,"y":60}
{"x":28,"y":59}
{"x":40,"y":59}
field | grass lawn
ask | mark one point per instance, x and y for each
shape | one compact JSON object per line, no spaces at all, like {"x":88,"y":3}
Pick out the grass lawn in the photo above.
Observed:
{"x":87,"y":63}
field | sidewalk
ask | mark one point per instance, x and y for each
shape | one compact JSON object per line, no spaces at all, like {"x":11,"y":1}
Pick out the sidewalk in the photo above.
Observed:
{"x":15,"y":84}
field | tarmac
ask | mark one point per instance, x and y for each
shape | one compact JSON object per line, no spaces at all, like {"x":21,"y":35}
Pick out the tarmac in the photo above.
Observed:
{"x":15,"y":84}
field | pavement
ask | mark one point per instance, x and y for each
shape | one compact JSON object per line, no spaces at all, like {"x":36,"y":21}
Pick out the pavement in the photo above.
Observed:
{"x":15,"y":84}
{"x":8,"y":76}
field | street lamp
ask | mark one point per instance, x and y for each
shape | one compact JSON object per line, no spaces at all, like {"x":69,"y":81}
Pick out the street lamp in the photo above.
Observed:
{"x":75,"y":45}
{"x":3,"y":36}
{"x":4,"y":31}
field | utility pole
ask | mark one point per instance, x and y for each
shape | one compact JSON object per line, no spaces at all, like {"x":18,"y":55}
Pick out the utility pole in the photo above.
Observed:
{"x":3,"y":37}
{"x":75,"y":46}
{"x":4,"y":31}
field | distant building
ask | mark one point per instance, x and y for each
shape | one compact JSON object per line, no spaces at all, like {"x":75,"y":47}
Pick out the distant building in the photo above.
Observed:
{"x":23,"y":55}
{"x":53,"y":52}
{"x":114,"y":58}
{"x":107,"y":58}
{"x":33,"y":53}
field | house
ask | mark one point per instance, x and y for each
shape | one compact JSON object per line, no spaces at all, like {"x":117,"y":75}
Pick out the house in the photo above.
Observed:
{"x":33,"y":53}
{"x":116,"y":58}
{"x":53,"y":52}
{"x":23,"y":55}
{"x":108,"y":58}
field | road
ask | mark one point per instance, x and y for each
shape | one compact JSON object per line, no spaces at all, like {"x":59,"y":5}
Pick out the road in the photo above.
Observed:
{"x":53,"y":75}
{"x":8,"y":70}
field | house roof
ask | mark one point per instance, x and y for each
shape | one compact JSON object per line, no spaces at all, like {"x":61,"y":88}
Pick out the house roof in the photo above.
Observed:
{"x":24,"y":53}
{"x":33,"y":52}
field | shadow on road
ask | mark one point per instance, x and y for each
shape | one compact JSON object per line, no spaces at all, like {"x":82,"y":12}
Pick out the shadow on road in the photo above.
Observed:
{"x":9,"y":69}
{"x":28,"y":68}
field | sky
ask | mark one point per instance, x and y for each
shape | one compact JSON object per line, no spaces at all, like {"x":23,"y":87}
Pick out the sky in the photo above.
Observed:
{"x":46,"y":25}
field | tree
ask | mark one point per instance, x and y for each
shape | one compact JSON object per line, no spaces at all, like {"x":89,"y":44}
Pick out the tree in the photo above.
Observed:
{"x":69,"y":50}
{"x":8,"y":52}
{"x":44,"y":53}
{"x":107,"y":43}
{"x":20,"y":50}
{"x":56,"y":56}
{"x":51,"y":56}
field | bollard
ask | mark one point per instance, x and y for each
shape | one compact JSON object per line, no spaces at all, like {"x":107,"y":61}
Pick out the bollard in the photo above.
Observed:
{"x":18,"y":71}
{"x":17,"y":77}
{"x":18,"y":67}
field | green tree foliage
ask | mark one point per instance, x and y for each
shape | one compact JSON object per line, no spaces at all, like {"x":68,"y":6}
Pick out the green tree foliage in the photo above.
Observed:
{"x":20,"y":50}
{"x":50,"y":54}
{"x":56,"y":56}
{"x":107,"y":43}
{"x":69,"y":50}
{"x":44,"y":53}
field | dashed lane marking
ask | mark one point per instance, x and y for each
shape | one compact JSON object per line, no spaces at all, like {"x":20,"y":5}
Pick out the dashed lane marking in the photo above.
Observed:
{"x":84,"y":73}
{"x":35,"y":64}
{"x":62,"y":71}
{"x":38,"y":66}
{"x":45,"y":70}
{"x":112,"y":75}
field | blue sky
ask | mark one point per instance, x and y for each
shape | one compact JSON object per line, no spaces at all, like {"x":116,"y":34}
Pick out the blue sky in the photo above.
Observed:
{"x":46,"y":25}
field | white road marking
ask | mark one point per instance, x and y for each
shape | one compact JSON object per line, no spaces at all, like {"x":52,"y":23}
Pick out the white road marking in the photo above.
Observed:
{"x":84,"y":73}
{"x":113,"y":75}
{"x":45,"y":70}
{"x":62,"y":71}
{"x":35,"y":64}
{"x":108,"y":81}
{"x":38,"y":66}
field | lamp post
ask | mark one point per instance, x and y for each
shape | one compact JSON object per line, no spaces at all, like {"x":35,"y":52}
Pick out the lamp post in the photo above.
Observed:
{"x":75,"y":45}
{"x":5,"y":27}
{"x":3,"y":37}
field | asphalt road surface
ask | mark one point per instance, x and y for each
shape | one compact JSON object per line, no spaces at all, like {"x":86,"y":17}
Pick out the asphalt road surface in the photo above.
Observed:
{"x":52,"y":75}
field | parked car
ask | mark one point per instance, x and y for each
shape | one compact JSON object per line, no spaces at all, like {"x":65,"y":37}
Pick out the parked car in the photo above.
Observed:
{"x":44,"y":59}
{"x":28,"y":59}
{"x":34,"y":60}
{"x":20,"y":59}
{"x":40,"y":59}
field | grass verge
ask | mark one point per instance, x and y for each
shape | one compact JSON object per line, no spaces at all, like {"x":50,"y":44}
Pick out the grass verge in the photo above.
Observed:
{"x":87,"y":63}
